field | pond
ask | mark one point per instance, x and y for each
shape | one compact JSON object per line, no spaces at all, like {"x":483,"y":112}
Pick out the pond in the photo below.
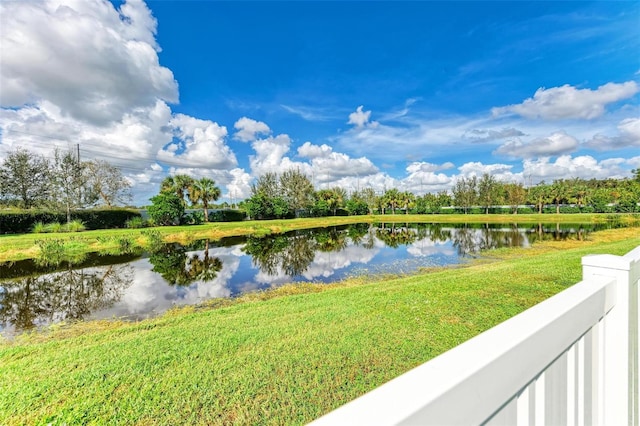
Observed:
{"x":139,"y":285}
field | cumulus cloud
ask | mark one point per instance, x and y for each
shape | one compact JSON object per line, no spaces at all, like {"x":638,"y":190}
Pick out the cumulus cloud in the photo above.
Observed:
{"x":502,"y":172}
{"x":629,"y":136}
{"x":271,"y":156}
{"x":92,"y":61}
{"x":136,"y":137}
{"x":568,"y":102}
{"x":556,"y":144}
{"x":308,"y":150}
{"x":338,"y":165}
{"x":329,"y":166}
{"x":565,"y":166}
{"x":240,"y":185}
{"x":423,"y":178}
{"x":249,"y":129}
{"x":199,"y":143}
{"x":85,"y":73}
{"x":417,"y":167}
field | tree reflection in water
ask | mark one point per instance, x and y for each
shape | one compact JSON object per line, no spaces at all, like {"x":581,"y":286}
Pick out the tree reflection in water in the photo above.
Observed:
{"x":68,"y":295}
{"x":291,"y":253}
{"x":394,"y":235}
{"x":33,"y":294}
{"x":173,"y":264}
{"x":204,"y":269}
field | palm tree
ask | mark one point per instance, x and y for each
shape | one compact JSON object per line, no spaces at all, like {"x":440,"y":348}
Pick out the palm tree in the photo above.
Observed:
{"x":338,"y":196}
{"x":579,"y":191}
{"x":178,"y":184}
{"x":204,"y":190}
{"x":408,"y":201}
{"x":392,"y":198}
{"x":558,"y":193}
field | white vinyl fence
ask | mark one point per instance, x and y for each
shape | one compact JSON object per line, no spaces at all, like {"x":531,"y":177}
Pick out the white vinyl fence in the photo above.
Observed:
{"x":570,"y":360}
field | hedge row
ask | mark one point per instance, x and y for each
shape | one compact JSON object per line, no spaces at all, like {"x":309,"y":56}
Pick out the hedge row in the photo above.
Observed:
{"x":22,"y":222}
{"x":227,"y":216}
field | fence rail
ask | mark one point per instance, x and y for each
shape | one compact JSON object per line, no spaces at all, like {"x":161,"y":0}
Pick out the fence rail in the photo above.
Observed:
{"x":572,"y":359}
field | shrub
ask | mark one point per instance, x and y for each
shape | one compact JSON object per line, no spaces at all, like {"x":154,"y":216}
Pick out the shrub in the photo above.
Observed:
{"x":39,"y":228}
{"x":75,"y":226}
{"x":55,"y":227}
{"x":194,"y":218}
{"x":135,"y":223}
{"x":166,"y":209}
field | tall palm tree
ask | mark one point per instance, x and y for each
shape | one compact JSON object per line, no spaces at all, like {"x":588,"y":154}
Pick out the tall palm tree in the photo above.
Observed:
{"x":558,"y":193}
{"x":338,"y":195}
{"x":204,"y":190}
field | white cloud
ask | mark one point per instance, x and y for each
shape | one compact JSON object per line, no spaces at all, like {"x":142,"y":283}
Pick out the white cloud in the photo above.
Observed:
{"x":568,"y":102}
{"x":487,"y":135}
{"x":634,"y":162}
{"x":359,"y":118}
{"x":94,"y":63}
{"x":329,"y":166}
{"x":337,"y":165}
{"x":629,"y":136}
{"x":422,"y":182}
{"x":201,"y":143}
{"x":417,"y":167}
{"x":240,"y":185}
{"x":308,"y":150}
{"x":270,"y":156}
{"x":423,"y":178}
{"x":502,"y":172}
{"x":249,"y":129}
{"x":136,"y":137}
{"x":566,"y":167}
{"x":556,"y":144}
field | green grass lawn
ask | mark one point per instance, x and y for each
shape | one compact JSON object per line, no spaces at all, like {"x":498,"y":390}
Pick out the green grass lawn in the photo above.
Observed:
{"x":17,"y":247}
{"x":284,"y":357}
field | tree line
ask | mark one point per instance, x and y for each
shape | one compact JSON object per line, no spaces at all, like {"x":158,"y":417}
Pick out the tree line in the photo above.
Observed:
{"x":291,"y":194}
{"x":29,"y":180}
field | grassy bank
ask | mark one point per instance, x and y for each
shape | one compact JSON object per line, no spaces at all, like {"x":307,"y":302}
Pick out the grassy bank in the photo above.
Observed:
{"x":282,"y":357}
{"x":17,"y":247}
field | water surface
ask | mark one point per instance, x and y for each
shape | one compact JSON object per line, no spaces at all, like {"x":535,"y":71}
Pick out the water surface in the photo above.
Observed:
{"x":139,"y":285}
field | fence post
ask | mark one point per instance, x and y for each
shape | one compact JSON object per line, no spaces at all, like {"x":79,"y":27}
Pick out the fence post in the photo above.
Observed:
{"x":618,"y":393}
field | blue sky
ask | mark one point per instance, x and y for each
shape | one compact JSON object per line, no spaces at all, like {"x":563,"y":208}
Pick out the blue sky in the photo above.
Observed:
{"x":412,"y":95}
